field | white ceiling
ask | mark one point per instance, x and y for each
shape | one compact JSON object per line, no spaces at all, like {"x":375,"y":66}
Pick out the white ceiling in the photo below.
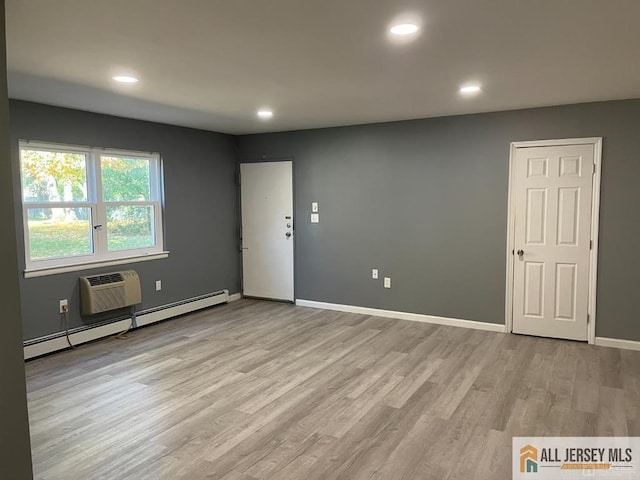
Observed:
{"x":212,"y":63}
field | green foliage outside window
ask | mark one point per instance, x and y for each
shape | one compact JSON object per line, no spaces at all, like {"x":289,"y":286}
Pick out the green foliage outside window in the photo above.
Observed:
{"x":61,"y":177}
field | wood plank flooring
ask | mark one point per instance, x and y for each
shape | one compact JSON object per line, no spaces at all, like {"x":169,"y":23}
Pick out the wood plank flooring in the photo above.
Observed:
{"x":258,"y":390}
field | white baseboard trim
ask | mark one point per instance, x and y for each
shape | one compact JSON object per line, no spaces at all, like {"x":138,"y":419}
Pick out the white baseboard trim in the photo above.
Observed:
{"x":235,"y":296}
{"x":414,"y":317}
{"x":156,"y":315}
{"x":618,"y":343}
{"x":181,"y":309}
{"x":60,"y":343}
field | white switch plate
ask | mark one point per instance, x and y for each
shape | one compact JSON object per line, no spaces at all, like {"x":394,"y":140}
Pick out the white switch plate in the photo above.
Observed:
{"x":158,"y":285}
{"x":314,"y":207}
{"x":315,"y":218}
{"x":387,"y":282}
{"x":374,"y":273}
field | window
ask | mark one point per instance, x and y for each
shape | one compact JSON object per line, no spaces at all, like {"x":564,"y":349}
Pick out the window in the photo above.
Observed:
{"x":86,"y":205}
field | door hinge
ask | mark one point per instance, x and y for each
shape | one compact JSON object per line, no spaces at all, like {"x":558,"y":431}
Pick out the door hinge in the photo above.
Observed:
{"x":588,"y":319}
{"x":590,"y":244}
{"x":593,"y":168}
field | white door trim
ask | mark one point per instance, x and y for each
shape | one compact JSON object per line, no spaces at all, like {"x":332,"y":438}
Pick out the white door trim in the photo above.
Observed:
{"x":595,"y":217}
{"x":291,"y":220}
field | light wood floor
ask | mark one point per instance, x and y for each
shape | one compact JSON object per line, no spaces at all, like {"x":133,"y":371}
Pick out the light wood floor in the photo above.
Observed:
{"x":259,"y":390}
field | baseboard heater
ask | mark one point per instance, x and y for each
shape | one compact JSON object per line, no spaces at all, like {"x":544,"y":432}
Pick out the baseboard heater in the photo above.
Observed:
{"x":57,"y":341}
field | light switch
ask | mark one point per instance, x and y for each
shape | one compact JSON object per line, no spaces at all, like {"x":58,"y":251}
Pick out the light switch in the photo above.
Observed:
{"x":374,"y":273}
{"x":315,"y":218}
{"x":314,"y":207}
{"x":387,"y":282}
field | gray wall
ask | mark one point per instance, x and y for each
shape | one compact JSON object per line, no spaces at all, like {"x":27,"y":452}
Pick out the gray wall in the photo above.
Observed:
{"x":426,"y":202}
{"x":201,"y":215}
{"x":15,"y":449}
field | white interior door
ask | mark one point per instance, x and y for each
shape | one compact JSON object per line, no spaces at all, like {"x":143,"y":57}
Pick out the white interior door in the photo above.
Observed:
{"x":267,"y":229}
{"x":553,"y":189}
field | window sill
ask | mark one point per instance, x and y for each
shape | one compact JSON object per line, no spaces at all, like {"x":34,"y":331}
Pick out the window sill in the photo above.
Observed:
{"x":42,"y":272}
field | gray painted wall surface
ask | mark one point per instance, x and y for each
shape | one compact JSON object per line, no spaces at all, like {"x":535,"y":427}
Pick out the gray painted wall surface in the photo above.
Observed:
{"x":425,"y":201}
{"x":201,"y":215}
{"x":15,"y":448}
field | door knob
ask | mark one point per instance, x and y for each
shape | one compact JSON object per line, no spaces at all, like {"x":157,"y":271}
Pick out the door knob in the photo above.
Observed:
{"x":520,"y":252}
{"x":288,"y":234}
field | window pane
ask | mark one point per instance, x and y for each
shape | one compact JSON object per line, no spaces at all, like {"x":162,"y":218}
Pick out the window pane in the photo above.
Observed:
{"x":53,"y":176}
{"x":59,"y":232}
{"x":130,"y":226}
{"x":125,"y":179}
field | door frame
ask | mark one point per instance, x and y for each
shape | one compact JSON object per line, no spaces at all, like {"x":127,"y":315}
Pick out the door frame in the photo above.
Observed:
{"x":596,"y":142}
{"x":266,"y":159}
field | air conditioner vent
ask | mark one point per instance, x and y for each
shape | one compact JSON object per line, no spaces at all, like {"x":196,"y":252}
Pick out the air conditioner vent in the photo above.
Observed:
{"x":109,"y":291}
{"x":105,"y":279}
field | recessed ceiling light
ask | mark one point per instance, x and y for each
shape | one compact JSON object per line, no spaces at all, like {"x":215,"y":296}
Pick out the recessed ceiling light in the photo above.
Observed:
{"x":265,"y":114}
{"x":125,"y":79}
{"x":404,"y":29}
{"x":470,"y":89}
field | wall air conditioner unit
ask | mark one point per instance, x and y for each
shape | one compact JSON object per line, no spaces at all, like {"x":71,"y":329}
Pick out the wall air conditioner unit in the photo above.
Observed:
{"x":109,"y":291}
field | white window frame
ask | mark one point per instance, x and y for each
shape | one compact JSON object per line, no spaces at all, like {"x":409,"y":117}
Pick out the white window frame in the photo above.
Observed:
{"x":101,"y":256}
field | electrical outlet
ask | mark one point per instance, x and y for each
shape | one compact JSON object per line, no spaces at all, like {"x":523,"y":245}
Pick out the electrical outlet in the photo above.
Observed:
{"x":158,"y":285}
{"x":315,"y":218}
{"x":374,"y":273}
{"x":64,"y":305}
{"x":387,"y":282}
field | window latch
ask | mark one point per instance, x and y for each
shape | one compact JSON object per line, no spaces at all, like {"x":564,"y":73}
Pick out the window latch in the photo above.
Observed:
{"x":95,"y":227}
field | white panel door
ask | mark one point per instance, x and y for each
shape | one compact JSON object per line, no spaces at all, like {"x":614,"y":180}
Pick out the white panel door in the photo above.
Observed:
{"x":267,"y":229}
{"x":553,"y":200}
